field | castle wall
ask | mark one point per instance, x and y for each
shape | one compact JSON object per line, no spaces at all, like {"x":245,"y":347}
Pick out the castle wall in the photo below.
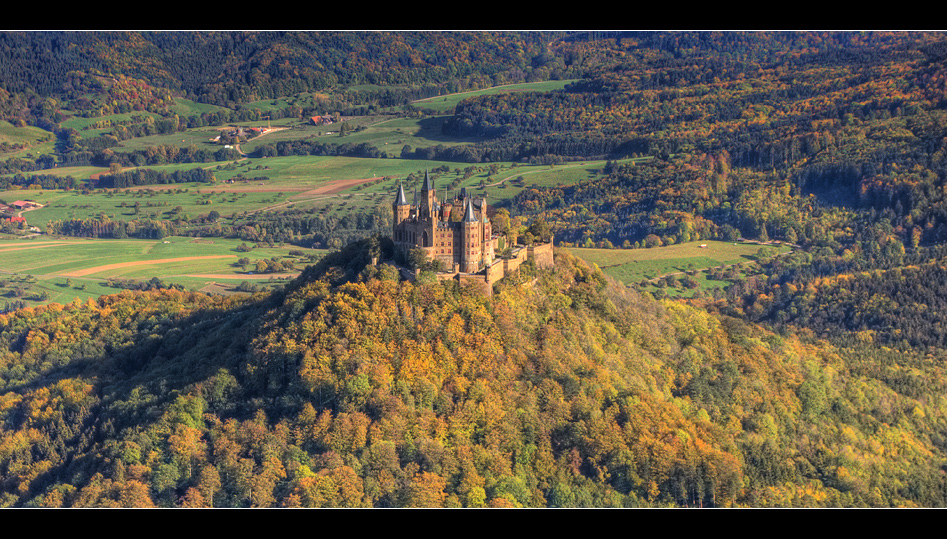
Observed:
{"x":441,"y":277}
{"x":476,"y":280}
{"x":495,"y":272}
{"x":512,"y":264}
{"x":542,"y":255}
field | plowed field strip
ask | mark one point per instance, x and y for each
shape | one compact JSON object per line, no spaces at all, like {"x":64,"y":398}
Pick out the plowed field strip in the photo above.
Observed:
{"x":337,"y":186}
{"x":107,"y":267}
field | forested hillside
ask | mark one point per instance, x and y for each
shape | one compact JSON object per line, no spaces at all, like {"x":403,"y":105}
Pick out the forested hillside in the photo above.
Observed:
{"x":569,"y":393}
{"x":228,"y":68}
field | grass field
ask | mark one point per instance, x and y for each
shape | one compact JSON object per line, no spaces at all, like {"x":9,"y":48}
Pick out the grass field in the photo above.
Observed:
{"x":155,"y":203}
{"x":506,"y":183}
{"x":386,"y":133}
{"x":447,"y":103}
{"x":632,"y":266}
{"x":201,"y":137}
{"x":83,"y":124}
{"x":186,"y":107}
{"x":24,"y":141}
{"x":390,"y":134}
{"x":68,"y":267}
{"x":22,"y":135}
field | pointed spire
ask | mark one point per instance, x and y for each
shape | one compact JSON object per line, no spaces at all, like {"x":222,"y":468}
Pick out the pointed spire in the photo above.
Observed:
{"x":401,"y":200}
{"x":469,"y":215}
{"x":428,"y":184}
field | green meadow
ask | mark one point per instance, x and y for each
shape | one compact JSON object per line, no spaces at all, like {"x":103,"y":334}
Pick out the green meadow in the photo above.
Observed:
{"x":201,"y":137}
{"x":184,"y":201}
{"x":314,"y":171}
{"x":446,"y":103}
{"x":509,"y":182}
{"x":24,"y":141}
{"x":70,"y":256}
{"x":186,"y":107}
{"x":22,"y":135}
{"x":88,"y":126}
{"x":632,"y":266}
{"x":389,"y":133}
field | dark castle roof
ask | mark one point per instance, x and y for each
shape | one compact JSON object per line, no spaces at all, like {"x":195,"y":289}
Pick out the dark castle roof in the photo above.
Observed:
{"x":401,"y":200}
{"x":469,"y":215}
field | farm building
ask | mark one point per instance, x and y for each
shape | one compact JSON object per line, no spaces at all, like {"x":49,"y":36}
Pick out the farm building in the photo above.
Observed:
{"x":321,"y":120}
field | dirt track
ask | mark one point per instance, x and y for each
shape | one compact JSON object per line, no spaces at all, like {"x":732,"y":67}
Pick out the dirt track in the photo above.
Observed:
{"x":242,"y":277}
{"x":7,"y":249}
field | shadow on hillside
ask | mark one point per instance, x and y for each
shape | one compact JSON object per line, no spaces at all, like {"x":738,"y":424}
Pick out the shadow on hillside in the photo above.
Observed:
{"x":134,"y":385}
{"x":209,"y":351}
{"x":432,"y":129}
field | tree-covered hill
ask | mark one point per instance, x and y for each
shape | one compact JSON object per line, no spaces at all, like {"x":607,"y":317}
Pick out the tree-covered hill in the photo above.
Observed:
{"x":770,"y":99}
{"x":378,"y":392}
{"x":230,"y":68}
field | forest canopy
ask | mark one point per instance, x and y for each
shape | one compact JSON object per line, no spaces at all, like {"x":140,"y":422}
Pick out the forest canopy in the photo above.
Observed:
{"x":573,"y":393}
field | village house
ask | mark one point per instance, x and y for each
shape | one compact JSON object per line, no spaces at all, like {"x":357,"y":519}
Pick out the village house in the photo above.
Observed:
{"x":321,"y":120}
{"x":25,"y":205}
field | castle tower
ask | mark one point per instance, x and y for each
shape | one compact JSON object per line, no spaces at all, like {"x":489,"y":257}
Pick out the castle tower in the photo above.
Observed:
{"x":487,"y":232}
{"x":470,"y":241}
{"x":401,"y":208}
{"x":428,"y":198}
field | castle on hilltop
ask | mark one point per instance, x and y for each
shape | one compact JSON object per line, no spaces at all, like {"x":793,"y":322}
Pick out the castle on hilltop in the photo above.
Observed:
{"x":457,"y":232}
{"x":465,"y":245}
